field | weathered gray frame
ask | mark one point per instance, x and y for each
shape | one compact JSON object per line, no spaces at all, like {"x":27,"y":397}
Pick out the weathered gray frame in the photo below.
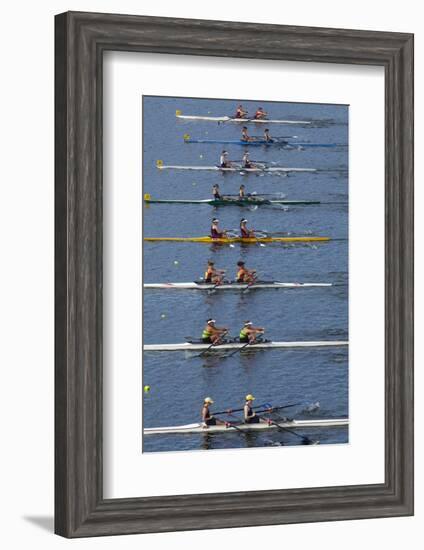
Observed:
{"x":81,"y":39}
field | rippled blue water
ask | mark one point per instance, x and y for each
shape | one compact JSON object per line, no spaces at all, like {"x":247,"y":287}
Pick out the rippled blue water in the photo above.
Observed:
{"x":178,"y":381}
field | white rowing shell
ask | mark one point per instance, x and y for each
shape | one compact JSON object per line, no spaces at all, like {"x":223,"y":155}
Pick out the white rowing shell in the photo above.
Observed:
{"x":232,"y":286}
{"x":295,"y":424}
{"x":187,"y":346}
{"x":246,"y":120}
{"x":236,"y":169}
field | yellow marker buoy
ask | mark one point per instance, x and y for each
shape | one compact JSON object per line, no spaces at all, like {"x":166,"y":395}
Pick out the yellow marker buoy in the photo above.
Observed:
{"x":147,"y":197}
{"x":177,"y":112}
{"x":159,"y":163}
{"x":146,"y":389}
{"x":186,"y":137}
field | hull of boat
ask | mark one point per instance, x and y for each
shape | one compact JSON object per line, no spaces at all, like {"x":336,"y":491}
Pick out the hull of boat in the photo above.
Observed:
{"x":231,"y":286}
{"x":230,"y":240}
{"x":243,"y":120}
{"x":188,"y":346}
{"x":271,"y":169}
{"x":231,"y":202}
{"x":262,"y":142}
{"x":198,"y":428}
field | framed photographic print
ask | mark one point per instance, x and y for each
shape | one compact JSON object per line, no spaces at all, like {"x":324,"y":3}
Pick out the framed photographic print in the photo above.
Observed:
{"x":234,"y":270}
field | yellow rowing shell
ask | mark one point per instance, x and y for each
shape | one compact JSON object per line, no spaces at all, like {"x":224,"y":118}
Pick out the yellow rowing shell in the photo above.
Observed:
{"x":230,"y":240}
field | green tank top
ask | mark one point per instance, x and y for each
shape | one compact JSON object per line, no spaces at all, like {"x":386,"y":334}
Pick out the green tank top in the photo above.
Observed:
{"x":243,"y":333}
{"x":206,"y":334}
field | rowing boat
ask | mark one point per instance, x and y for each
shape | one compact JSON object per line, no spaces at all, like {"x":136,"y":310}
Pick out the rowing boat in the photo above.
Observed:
{"x":234,"y":168}
{"x":232,"y":286}
{"x":244,"y":240}
{"x":190,"y":346}
{"x":198,"y":428}
{"x":274,"y":141}
{"x":248,"y":201}
{"x":243,"y":120}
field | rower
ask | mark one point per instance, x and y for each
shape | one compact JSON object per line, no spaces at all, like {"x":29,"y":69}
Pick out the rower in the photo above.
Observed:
{"x":260,"y":114}
{"x":245,"y":275}
{"x":267,"y":136}
{"x":207,"y":418}
{"x":216,"y":193}
{"x":244,"y":135}
{"x":246,"y":233}
{"x":242,"y":194}
{"x":212,"y":334}
{"x":249,"y":414}
{"x":247,"y":163}
{"x":240,"y":112}
{"x":216,"y":232}
{"x":223,"y":160}
{"x":248,"y":333}
{"x":213,"y":275}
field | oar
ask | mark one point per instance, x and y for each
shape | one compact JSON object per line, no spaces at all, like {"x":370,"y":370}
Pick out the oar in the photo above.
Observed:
{"x":237,"y":350}
{"x":272,"y":409}
{"x":243,"y":347}
{"x":257,"y":239}
{"x":276,"y":137}
{"x":251,"y":283}
{"x":230,"y":411}
{"x":255,"y":194}
{"x":305,"y":439}
{"x":231,"y":425}
{"x":217,"y":343}
{"x":212,"y":290}
{"x":233,"y":233}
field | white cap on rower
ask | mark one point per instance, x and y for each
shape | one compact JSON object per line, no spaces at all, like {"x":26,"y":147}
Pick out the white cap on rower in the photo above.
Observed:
{"x":210,"y":321}
{"x":248,"y":323}
{"x":215,"y":220}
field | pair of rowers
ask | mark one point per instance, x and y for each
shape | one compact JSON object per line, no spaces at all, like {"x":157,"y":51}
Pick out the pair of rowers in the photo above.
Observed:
{"x":248,"y":333}
{"x":260,"y":114}
{"x":216,"y":193}
{"x":217,"y":233}
{"x":216,"y":276}
{"x":224,"y":161}
{"x":245,"y":136}
{"x":249,"y":415}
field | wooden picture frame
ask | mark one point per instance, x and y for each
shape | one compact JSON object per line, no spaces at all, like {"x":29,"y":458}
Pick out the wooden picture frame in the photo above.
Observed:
{"x":81,"y":39}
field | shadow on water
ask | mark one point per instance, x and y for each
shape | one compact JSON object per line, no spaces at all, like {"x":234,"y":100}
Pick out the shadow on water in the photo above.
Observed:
{"x":245,"y":439}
